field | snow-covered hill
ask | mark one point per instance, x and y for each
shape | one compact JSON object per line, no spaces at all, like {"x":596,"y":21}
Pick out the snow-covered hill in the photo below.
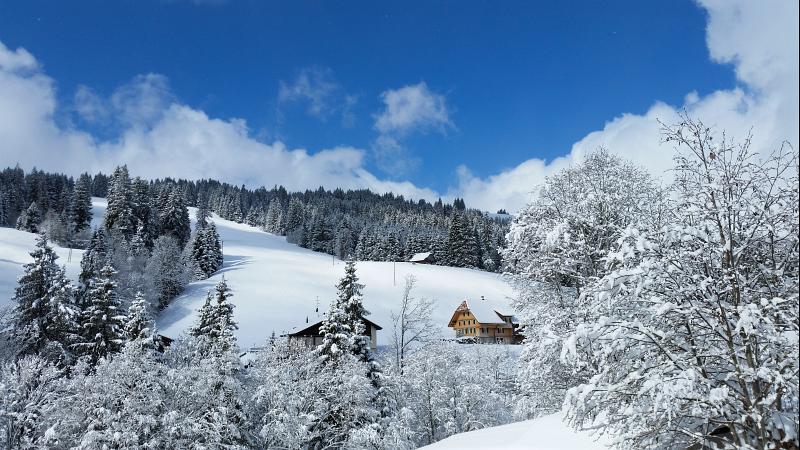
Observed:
{"x":276,"y":285}
{"x":544,"y":433}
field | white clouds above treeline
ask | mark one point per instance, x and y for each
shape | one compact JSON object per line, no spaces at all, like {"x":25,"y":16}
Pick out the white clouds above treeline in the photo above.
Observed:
{"x":163,"y":137}
{"x":760,"y":40}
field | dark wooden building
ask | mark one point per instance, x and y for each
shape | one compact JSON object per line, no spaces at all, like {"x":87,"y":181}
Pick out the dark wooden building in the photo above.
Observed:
{"x":311,"y":336}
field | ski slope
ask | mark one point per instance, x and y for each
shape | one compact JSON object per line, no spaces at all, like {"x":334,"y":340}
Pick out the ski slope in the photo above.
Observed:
{"x":544,"y":433}
{"x":277,"y":285}
{"x":15,"y":248}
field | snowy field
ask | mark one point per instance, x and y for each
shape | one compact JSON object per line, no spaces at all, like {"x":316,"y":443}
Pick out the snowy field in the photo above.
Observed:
{"x":276,"y":285}
{"x":544,"y":433}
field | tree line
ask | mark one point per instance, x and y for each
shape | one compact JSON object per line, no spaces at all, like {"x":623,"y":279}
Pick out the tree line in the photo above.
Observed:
{"x":357,"y":223}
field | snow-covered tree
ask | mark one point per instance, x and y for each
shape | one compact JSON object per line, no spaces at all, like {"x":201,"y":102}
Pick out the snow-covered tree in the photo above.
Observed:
{"x":29,"y":220}
{"x":82,"y":204}
{"x":205,"y":250}
{"x":102,"y":321}
{"x":165,"y":270}
{"x":556,"y":247}
{"x":96,"y":256}
{"x":412,"y":323}
{"x":119,"y":213}
{"x":28,"y":387}
{"x":696,"y":341}
{"x":138,"y":324}
{"x":273,"y":223}
{"x":462,"y":250}
{"x":173,"y":216}
{"x":44,"y":318}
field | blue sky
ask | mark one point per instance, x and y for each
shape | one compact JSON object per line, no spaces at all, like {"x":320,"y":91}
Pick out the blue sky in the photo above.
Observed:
{"x":453,"y":98}
{"x":520,"y":79}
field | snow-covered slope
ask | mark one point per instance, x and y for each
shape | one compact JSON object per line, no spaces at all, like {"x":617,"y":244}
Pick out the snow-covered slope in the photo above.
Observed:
{"x":276,"y":284}
{"x":15,"y":248}
{"x":544,"y":433}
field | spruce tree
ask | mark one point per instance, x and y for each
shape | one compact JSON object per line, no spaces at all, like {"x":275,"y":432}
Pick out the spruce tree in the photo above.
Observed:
{"x":294,"y":216}
{"x":273,"y":223}
{"x":96,"y":256}
{"x":119,"y":213}
{"x":202,"y":214}
{"x":138,"y":323}
{"x":29,"y":220}
{"x":44,"y":317}
{"x":82,"y":204}
{"x":222,"y":321}
{"x":102,"y":327}
{"x":173,"y":217}
{"x":462,"y":250}
{"x":213,"y":248}
{"x":204,"y":316}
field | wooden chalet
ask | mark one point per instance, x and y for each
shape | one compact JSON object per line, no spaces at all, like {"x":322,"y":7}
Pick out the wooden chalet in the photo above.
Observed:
{"x":483,"y":323}
{"x":311,"y":336}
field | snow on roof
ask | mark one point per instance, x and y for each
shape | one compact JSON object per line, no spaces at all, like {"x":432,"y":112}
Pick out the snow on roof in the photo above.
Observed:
{"x":420,"y":257}
{"x":487,"y":311}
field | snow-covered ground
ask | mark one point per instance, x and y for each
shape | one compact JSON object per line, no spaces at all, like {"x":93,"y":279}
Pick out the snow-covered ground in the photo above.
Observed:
{"x":276,"y":285}
{"x":544,"y":433}
{"x":15,"y":248}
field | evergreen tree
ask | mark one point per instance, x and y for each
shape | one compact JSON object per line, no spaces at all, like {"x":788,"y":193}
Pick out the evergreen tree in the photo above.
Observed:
{"x":141,"y":204}
{"x":82,"y":204}
{"x":273,"y":223}
{"x":204,"y":318}
{"x":138,"y":323}
{"x":44,"y":316}
{"x":95,"y":257}
{"x":119,"y":213}
{"x":221,"y":319}
{"x":295,"y":215}
{"x":29,"y":220}
{"x":202,"y":214}
{"x":205,"y":250}
{"x":173,"y":217}
{"x":462,"y":250}
{"x":213,"y":248}
{"x":102,"y":327}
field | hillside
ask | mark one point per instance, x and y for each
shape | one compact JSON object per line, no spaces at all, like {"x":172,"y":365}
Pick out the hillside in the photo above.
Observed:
{"x":276,"y":284}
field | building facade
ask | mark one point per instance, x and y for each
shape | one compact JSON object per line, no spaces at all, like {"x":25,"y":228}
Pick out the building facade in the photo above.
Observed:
{"x":479,"y":322}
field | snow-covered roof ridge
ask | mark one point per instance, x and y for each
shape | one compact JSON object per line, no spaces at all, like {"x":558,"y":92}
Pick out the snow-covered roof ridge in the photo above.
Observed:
{"x":417,"y":257}
{"x":487,"y":311}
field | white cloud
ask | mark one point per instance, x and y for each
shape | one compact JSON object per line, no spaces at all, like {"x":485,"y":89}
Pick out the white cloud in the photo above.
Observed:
{"x":760,"y":39}
{"x":16,"y":60}
{"x":316,"y":87}
{"x":142,"y":101}
{"x":412,"y":108}
{"x":90,"y":106}
{"x":409,"y":109}
{"x":161,"y":138}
